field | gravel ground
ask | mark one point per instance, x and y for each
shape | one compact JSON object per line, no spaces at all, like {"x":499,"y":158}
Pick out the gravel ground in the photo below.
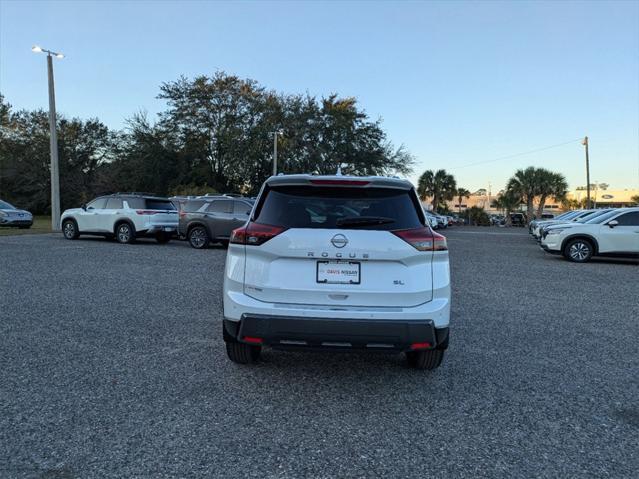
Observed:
{"x":112,"y":365}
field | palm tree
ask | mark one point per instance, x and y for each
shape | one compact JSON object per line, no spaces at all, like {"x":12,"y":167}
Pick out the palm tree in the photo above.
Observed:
{"x":439,"y":185}
{"x":537,"y":182}
{"x":550,"y":184}
{"x":570,"y":203}
{"x":524,"y":184}
{"x":461,"y":193}
{"x":508,"y":201}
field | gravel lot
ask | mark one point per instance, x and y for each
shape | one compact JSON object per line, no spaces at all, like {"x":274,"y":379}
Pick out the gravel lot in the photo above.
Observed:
{"x":112,"y":365}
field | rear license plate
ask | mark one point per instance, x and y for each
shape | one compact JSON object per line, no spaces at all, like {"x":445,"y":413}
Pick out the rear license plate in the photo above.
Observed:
{"x":338,"y":272}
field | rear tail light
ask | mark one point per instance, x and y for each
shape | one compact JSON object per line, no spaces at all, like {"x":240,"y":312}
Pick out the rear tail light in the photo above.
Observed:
{"x":423,"y":239}
{"x":340,"y":182}
{"x":147,"y":212}
{"x":418,"y":346}
{"x":255,"y":234}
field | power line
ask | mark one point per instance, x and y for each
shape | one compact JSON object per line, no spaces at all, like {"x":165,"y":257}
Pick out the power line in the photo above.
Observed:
{"x":501,"y":158}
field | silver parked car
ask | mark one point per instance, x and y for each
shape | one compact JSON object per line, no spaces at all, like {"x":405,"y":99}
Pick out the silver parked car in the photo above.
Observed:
{"x":12,"y":216}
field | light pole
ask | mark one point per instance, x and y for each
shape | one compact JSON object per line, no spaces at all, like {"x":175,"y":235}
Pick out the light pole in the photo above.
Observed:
{"x":53,"y":141}
{"x":275,"y":135}
{"x":585,"y":143}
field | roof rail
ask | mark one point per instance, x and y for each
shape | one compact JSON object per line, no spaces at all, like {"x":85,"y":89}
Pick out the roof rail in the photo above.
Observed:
{"x":133,"y":193}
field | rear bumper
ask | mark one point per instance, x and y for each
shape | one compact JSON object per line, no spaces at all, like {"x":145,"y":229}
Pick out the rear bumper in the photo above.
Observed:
{"x":286,"y":332}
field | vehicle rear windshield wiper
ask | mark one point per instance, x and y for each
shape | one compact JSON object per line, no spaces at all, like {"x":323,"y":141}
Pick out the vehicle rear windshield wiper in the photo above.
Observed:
{"x":364,"y":221}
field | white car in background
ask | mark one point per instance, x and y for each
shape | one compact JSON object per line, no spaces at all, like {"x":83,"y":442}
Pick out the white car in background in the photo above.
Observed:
{"x":613,"y":233}
{"x":123,"y":216}
{"x":368,"y":273}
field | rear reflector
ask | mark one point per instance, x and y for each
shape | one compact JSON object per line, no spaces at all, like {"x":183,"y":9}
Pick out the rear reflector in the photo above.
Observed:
{"x":415,"y":346}
{"x":251,"y":339}
{"x":423,"y":239}
{"x":340,"y":182}
{"x":255,"y":234}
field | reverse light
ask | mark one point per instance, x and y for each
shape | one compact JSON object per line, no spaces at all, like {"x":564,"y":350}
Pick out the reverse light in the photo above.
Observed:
{"x":423,"y":239}
{"x":255,"y":234}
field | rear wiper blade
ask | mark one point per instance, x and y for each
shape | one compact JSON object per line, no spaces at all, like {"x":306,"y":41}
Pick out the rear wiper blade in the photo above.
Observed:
{"x":364,"y":221}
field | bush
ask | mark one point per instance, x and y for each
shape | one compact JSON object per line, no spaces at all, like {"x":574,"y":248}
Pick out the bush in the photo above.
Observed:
{"x":477,"y":216}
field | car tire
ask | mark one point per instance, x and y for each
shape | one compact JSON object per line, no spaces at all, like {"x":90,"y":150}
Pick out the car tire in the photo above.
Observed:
{"x":124,"y":233}
{"x":70,"y":229}
{"x":579,"y":250}
{"x":162,"y":238}
{"x":198,"y":237}
{"x":242,"y":353}
{"x":24,"y":227}
{"x":429,"y":359}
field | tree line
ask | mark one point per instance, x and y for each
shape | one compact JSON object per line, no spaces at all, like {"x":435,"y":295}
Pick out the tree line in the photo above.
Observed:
{"x":215,"y":135}
{"x":527,"y":186}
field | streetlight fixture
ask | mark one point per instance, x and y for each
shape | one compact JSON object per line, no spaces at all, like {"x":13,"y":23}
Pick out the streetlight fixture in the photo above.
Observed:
{"x":53,"y":142}
{"x":276,"y":133}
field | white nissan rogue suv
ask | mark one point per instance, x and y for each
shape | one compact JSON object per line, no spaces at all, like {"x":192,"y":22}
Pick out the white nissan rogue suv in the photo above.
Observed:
{"x":335,"y":263}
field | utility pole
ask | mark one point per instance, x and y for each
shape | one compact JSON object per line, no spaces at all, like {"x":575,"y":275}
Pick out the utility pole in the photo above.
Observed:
{"x":585,"y":143}
{"x":53,"y":141}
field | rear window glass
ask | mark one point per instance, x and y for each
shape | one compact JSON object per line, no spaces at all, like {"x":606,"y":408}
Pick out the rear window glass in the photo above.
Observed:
{"x":135,"y":203}
{"x":339,"y":208}
{"x":159,"y":205}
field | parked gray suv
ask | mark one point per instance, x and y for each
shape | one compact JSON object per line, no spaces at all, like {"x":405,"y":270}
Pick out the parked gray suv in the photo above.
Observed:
{"x":210,"y":219}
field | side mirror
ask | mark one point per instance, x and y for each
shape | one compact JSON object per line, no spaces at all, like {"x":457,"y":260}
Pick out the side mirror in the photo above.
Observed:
{"x":613,"y":223}
{"x":83,"y":206}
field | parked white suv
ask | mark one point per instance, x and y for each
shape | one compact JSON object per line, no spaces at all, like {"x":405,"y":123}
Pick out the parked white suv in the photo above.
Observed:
{"x":124,"y":217}
{"x":337,"y":262}
{"x":613,"y":233}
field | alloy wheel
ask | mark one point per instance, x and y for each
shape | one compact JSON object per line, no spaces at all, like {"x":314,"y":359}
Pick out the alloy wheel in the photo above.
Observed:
{"x":69,"y":230}
{"x":124,"y":233}
{"x":198,"y":238}
{"x":579,"y":251}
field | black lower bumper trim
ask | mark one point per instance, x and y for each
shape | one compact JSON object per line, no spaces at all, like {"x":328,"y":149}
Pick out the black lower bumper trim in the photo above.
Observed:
{"x":321,"y":333}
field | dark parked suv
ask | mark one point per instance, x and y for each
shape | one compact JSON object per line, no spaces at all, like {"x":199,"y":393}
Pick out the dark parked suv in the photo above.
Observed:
{"x":212,"y":218}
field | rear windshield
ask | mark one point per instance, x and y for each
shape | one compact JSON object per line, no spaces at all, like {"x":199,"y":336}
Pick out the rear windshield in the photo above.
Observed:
{"x":339,"y":208}
{"x":159,"y":205}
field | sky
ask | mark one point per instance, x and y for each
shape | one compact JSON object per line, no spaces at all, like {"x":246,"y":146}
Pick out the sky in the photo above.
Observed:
{"x":464,"y":86}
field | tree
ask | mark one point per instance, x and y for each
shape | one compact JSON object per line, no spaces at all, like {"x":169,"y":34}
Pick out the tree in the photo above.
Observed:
{"x":532,"y":182}
{"x":550,"y":184}
{"x":461,"y":193}
{"x":477,"y":216}
{"x":570,"y":203}
{"x":635,"y":199}
{"x":508,"y":201}
{"x":439,"y":185}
